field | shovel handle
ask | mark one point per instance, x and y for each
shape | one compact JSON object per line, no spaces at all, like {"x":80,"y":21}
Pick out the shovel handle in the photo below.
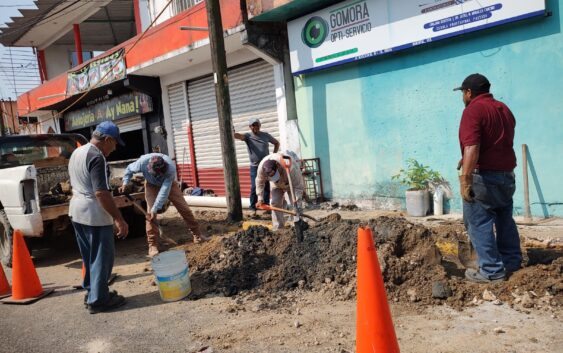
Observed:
{"x":277,"y":209}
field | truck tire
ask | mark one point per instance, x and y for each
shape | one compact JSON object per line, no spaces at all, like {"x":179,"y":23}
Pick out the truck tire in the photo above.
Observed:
{"x":6,"y":241}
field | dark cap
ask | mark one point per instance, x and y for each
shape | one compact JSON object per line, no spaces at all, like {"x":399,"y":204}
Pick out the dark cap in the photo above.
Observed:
{"x":108,"y":128}
{"x":157,"y":166}
{"x":270,"y":166}
{"x":476,"y":83}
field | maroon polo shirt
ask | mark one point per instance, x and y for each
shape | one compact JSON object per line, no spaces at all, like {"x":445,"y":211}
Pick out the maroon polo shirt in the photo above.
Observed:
{"x":490,"y":124}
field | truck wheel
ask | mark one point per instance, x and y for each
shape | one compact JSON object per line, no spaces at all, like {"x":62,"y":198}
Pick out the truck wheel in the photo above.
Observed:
{"x":6,"y":241}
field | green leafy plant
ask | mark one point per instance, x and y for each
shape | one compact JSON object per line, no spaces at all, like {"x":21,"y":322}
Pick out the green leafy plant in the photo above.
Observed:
{"x":417,"y":176}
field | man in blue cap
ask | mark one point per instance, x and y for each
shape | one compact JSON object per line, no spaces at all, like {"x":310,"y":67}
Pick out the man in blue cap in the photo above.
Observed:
{"x":93,"y":214}
{"x":160,"y":184}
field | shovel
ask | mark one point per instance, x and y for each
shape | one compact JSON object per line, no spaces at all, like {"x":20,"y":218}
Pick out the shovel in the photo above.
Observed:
{"x":272,"y":208}
{"x":299,"y":226}
{"x":466,"y":254}
{"x":143,"y":211}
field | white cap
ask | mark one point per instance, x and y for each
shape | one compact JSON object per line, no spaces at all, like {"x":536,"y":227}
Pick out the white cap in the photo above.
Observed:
{"x":275,"y":177}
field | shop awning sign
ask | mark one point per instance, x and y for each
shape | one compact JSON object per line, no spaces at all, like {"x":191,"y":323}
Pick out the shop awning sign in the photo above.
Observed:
{"x":357,"y":29}
{"x":97,"y":73}
{"x":124,"y":106}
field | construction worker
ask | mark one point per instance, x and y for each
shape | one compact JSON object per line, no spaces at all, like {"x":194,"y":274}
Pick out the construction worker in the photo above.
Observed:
{"x":93,"y":212}
{"x":487,"y":184}
{"x":274,"y":169}
{"x":257,"y":143}
{"x":160,"y":184}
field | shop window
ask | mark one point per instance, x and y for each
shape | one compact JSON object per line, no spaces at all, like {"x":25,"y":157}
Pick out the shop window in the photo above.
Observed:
{"x":86,"y":55}
{"x":182,"y":5}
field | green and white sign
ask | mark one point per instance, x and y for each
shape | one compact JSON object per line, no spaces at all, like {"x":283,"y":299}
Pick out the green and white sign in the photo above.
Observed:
{"x":358,"y":29}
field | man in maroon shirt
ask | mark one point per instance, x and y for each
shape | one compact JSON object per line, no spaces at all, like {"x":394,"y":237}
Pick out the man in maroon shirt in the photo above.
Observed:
{"x":487,"y":184}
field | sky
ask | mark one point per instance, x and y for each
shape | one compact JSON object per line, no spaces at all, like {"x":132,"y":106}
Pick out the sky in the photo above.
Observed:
{"x":17,"y":65}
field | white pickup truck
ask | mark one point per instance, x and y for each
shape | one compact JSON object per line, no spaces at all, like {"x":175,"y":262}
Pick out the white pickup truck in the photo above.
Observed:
{"x":32,"y":170}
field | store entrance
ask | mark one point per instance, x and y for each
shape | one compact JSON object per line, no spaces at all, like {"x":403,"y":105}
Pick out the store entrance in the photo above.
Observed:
{"x":133,"y":149}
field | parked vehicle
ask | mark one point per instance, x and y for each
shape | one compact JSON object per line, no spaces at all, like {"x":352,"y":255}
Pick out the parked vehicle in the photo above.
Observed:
{"x":35,"y":189}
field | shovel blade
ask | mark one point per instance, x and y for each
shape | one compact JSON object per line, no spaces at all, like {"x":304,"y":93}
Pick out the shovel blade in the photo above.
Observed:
{"x":466,"y":254}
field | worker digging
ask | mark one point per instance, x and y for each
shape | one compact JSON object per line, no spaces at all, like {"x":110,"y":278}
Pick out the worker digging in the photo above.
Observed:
{"x":288,"y":176}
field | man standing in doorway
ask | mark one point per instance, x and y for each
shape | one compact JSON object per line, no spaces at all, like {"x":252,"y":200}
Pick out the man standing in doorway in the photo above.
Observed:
{"x":486,"y":135}
{"x":93,"y":213}
{"x":257,"y":143}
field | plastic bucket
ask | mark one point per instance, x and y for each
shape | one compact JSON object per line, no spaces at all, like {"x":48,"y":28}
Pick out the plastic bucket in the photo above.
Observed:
{"x":172,"y":275}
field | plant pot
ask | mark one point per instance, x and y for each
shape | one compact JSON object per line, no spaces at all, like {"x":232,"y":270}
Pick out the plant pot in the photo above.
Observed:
{"x":418,"y":202}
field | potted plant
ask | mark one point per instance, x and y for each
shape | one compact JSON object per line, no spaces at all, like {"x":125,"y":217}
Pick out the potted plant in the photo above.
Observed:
{"x":417,"y":177}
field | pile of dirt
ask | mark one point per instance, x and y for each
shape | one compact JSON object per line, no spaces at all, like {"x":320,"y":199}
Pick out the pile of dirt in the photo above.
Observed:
{"x":265,"y":264}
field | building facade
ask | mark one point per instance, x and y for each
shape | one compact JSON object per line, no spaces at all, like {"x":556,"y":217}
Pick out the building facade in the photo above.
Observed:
{"x":373,"y":85}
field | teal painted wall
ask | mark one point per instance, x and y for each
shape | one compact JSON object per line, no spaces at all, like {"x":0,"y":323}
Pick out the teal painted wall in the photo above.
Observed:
{"x":365,"y":119}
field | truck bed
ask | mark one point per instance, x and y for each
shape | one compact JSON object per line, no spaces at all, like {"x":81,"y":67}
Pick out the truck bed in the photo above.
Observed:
{"x":56,"y":211}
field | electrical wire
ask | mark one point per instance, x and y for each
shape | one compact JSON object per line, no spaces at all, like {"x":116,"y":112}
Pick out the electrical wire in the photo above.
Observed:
{"x":82,"y":96}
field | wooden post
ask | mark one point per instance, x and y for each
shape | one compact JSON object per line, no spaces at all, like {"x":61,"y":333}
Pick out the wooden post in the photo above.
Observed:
{"x":527,"y":211}
{"x":1,"y":118}
{"x":219,"y":60}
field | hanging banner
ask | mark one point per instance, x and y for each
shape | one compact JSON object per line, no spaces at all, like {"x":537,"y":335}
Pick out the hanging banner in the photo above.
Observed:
{"x":124,"y":106}
{"x":97,"y":73}
{"x":357,"y":29}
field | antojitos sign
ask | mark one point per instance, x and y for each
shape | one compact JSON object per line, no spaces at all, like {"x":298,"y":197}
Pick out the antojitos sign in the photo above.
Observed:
{"x":124,"y":106}
{"x":358,"y":29}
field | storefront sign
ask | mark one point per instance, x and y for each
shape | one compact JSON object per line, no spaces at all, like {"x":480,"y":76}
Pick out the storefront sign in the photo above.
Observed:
{"x":97,"y":73}
{"x":359,"y":29}
{"x":124,"y":106}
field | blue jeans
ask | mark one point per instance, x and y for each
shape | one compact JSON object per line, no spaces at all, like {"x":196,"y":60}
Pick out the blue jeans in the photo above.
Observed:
{"x":492,"y":210}
{"x":253,"y":196}
{"x":96,"y":246}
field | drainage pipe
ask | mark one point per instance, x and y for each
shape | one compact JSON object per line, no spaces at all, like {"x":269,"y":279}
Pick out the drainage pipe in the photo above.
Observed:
{"x":210,"y":201}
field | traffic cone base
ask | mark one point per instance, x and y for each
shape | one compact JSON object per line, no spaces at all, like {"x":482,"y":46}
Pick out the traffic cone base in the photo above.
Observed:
{"x":5,"y":289}
{"x":11,"y":300}
{"x":26,"y":287}
{"x":374,"y":327}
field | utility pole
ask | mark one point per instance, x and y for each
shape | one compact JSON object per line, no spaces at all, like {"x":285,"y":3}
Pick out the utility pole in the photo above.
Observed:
{"x":219,"y":60}
{"x":1,"y":118}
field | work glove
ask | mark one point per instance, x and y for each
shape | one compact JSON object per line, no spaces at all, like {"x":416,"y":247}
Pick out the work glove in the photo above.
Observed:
{"x":465,"y":182}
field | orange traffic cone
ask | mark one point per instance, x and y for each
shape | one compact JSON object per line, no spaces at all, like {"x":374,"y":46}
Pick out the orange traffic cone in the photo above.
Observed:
{"x":25,"y":282}
{"x":4,"y":285}
{"x":374,"y":326}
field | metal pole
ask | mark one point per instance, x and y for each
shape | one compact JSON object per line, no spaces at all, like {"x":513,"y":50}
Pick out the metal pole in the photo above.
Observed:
{"x":527,"y":211}
{"x":219,"y":60}
{"x":77,"y":43}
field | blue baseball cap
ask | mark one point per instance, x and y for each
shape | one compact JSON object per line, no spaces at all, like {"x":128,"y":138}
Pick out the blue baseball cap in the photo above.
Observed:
{"x":110,"y":129}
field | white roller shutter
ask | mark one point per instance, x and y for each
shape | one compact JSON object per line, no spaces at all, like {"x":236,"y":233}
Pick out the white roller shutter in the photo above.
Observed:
{"x":179,"y":118}
{"x":129,"y":124}
{"x":252,"y":92}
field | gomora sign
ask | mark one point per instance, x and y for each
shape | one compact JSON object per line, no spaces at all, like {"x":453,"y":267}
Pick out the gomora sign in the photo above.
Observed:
{"x":356,"y":29}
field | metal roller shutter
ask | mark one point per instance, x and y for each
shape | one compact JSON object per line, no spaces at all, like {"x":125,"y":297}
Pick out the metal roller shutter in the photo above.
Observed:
{"x":180,"y":121}
{"x":129,"y":124}
{"x":252,"y":92}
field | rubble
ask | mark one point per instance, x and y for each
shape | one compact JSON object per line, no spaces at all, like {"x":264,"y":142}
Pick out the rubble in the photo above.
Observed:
{"x":260,"y":265}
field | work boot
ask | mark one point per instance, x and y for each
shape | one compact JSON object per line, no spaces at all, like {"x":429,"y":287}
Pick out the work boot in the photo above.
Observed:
{"x":200,"y":238}
{"x":115,"y":300}
{"x":475,"y":276}
{"x":153,"y":251}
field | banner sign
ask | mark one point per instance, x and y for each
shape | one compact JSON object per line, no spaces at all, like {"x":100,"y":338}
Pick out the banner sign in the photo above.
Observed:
{"x":357,"y":29}
{"x":97,"y":73}
{"x":124,"y":106}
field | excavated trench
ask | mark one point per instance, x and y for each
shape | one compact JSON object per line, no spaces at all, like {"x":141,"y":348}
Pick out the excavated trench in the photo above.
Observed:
{"x":415,"y":272}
